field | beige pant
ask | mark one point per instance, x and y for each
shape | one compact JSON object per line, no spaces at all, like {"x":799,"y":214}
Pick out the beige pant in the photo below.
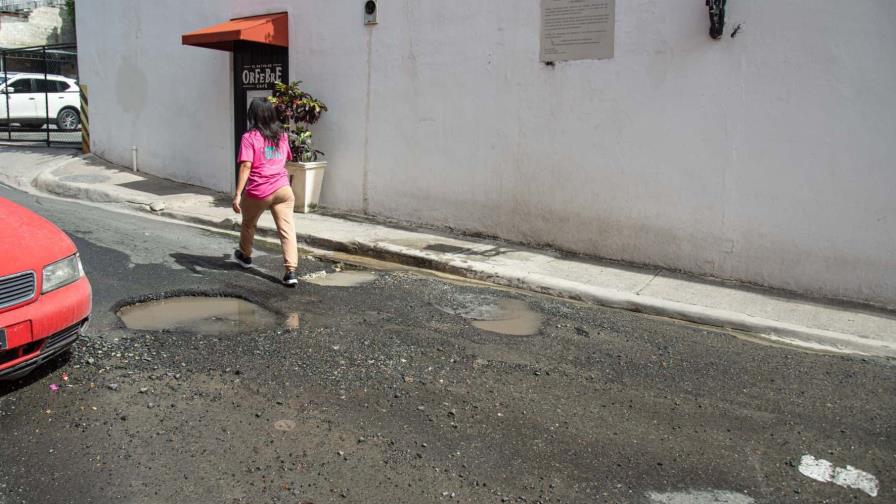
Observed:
{"x":281,"y":204}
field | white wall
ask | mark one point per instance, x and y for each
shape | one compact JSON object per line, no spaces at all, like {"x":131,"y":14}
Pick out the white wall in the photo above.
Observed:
{"x":766,"y":158}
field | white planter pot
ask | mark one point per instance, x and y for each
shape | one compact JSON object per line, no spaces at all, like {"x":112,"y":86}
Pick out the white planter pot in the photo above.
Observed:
{"x":306,"y":180}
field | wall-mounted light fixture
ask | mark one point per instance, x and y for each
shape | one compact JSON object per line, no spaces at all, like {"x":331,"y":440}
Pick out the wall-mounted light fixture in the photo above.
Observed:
{"x":716,"y":18}
{"x":370,"y":12}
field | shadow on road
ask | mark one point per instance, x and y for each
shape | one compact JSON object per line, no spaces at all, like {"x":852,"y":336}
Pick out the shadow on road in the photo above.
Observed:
{"x":222,"y":262}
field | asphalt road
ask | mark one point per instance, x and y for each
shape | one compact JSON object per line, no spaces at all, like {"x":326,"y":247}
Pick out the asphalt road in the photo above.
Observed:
{"x":387,"y":392}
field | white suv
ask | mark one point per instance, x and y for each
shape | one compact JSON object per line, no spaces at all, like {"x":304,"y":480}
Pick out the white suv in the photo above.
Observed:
{"x":27,"y":96}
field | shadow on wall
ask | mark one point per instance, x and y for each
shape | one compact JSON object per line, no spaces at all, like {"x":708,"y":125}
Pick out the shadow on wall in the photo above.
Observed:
{"x":131,"y":88}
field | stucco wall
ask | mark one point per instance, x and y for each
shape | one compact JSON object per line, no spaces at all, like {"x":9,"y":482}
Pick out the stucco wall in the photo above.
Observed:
{"x":766,"y":158}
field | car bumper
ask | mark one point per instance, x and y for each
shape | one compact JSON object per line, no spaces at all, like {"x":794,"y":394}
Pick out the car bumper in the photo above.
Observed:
{"x":55,"y":345}
{"x":40,"y":330}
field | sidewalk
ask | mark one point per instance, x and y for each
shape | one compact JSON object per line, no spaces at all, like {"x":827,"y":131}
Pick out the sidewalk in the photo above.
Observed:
{"x":777,"y":316}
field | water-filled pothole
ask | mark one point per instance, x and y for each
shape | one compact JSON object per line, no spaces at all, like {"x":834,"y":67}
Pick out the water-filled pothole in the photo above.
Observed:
{"x":203,"y":315}
{"x":512,"y":317}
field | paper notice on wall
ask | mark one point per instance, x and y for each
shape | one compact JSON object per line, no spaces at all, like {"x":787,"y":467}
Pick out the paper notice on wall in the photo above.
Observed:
{"x":577,"y":29}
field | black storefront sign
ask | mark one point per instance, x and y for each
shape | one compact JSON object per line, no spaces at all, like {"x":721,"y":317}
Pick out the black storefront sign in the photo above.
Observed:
{"x":261,"y":76}
{"x":256,"y":68}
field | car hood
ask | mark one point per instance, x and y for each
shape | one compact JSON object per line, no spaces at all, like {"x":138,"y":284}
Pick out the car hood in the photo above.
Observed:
{"x":28,"y":241}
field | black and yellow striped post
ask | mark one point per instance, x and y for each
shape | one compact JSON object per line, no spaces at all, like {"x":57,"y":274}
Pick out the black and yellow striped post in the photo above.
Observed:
{"x":85,"y":122}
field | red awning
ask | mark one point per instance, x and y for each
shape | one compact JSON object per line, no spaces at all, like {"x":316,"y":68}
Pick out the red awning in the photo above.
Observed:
{"x":272,"y":29}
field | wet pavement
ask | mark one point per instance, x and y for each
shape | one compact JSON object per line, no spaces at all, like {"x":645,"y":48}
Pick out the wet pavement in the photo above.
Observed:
{"x":495,"y":314}
{"x":340,"y":278}
{"x":395,"y":386}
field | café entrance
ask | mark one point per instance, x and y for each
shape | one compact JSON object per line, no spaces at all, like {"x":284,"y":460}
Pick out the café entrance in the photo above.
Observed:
{"x":260,"y":47}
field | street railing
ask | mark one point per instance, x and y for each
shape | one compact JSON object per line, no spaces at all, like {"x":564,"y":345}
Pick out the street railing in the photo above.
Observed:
{"x":40,"y":99}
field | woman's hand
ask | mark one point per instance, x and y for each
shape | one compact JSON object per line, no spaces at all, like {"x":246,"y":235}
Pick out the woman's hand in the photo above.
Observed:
{"x":245,"y":168}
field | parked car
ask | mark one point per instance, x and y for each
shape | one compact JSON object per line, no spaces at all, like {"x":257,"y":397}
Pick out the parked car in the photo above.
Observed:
{"x":45,"y":298}
{"x":27,"y":96}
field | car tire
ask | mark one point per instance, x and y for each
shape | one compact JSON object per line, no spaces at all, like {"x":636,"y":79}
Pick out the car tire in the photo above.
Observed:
{"x":68,"y":119}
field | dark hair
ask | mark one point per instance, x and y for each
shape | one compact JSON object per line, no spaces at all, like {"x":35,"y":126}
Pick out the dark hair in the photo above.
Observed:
{"x":263,"y":119}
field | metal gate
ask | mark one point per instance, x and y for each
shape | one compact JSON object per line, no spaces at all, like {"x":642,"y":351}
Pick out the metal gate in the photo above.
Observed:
{"x":40,"y":100}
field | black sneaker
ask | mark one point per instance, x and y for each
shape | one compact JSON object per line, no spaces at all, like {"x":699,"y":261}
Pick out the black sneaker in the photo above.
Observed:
{"x":290,"y":279}
{"x":243,"y":260}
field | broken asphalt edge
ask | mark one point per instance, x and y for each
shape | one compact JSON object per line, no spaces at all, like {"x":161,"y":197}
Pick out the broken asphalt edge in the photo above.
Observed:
{"x":781,"y":332}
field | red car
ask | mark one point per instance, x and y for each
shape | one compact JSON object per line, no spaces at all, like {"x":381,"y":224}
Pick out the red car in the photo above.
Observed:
{"x":45,"y":298}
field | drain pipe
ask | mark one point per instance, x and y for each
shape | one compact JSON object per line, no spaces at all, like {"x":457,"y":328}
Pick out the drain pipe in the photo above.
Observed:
{"x":134,"y":158}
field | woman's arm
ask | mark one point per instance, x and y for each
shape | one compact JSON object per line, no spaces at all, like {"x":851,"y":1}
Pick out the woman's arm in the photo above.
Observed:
{"x":245,"y":168}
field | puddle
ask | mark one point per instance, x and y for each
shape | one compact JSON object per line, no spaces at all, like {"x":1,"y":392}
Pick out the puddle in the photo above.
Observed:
{"x":203,"y":315}
{"x":503,"y":316}
{"x":514,"y":318}
{"x":342,"y":279}
{"x":385,"y":266}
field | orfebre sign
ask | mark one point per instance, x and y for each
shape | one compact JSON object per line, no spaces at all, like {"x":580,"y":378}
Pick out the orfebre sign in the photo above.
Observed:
{"x":261,"y":76}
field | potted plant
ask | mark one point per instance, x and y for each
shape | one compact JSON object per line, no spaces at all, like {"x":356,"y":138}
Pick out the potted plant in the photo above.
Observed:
{"x":297,"y":111}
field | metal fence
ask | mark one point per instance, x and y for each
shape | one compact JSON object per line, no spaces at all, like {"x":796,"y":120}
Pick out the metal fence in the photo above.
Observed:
{"x":40,"y":101}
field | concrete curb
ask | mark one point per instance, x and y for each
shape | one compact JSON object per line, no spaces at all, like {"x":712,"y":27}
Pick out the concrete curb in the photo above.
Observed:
{"x":48,"y":182}
{"x":806,"y":337}
{"x":26,"y":181}
{"x":796,"y":335}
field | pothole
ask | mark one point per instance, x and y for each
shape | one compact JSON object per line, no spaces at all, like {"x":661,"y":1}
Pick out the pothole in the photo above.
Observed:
{"x":203,"y":315}
{"x":340,"y":278}
{"x":512,"y":317}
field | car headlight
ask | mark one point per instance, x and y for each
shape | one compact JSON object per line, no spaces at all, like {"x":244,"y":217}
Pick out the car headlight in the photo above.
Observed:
{"x":62,"y":273}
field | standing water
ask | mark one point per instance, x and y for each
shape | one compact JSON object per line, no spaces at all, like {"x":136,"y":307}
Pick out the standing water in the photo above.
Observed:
{"x":203,"y":315}
{"x":512,"y":317}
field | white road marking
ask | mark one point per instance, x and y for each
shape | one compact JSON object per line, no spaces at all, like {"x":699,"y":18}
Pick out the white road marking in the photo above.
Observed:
{"x":699,"y":497}
{"x":849,"y":476}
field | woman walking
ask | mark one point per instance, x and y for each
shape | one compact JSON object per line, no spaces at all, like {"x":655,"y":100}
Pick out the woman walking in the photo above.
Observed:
{"x":263,"y":184}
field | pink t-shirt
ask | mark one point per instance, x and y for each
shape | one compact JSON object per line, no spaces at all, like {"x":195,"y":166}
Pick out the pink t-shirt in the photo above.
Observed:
{"x":268,"y":164}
